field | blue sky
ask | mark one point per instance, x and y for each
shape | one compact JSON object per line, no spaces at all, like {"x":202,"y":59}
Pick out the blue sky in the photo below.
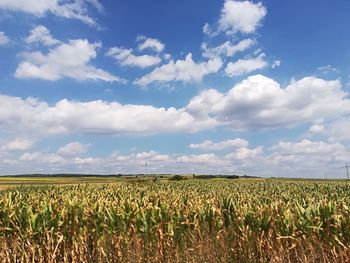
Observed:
{"x":187,"y":86}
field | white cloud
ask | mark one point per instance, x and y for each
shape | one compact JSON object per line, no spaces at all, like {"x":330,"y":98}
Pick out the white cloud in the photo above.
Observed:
{"x":316,"y":129}
{"x":328,"y":69}
{"x":150,"y":43}
{"x":96,"y":4}
{"x":276,"y":63}
{"x":307,"y":147}
{"x":253,"y":104}
{"x":286,"y":159}
{"x":35,"y":117}
{"x":167,"y":56}
{"x":126,"y":58}
{"x":210,"y":145}
{"x":41,"y":157}
{"x":309,"y":155}
{"x":243,"y":66}
{"x":35,"y":7}
{"x":245,"y":153}
{"x":71,"y":9}
{"x":3,"y":39}
{"x":70,"y":59}
{"x":259,"y":102}
{"x":338,"y":129}
{"x":207,"y":29}
{"x":40,"y":34}
{"x":241,"y":16}
{"x":182,"y":70}
{"x":239,"y":160}
{"x":16,"y":145}
{"x":227,"y":49}
{"x":72,"y":149}
{"x":207,"y":158}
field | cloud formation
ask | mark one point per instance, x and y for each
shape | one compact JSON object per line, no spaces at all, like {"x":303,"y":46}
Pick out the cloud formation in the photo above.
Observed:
{"x":150,"y":43}
{"x":227,"y":49}
{"x":336,"y":129}
{"x":259,"y":103}
{"x":3,"y":39}
{"x":70,"y":59}
{"x":18,"y":144}
{"x":32,"y":116}
{"x":237,"y":17}
{"x":72,"y":149}
{"x":304,"y":158}
{"x":256,"y":103}
{"x":308,"y":158}
{"x":41,"y":34}
{"x":210,"y":145}
{"x":181,"y":70}
{"x":125,"y":57}
{"x":241,"y":16}
{"x":71,"y":9}
{"x":243,"y":66}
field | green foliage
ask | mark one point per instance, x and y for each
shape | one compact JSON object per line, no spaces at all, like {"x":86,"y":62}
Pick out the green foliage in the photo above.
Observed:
{"x":176,"y":177}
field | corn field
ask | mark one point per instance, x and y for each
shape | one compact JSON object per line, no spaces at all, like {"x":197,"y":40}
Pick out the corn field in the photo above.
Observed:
{"x":217,"y":220}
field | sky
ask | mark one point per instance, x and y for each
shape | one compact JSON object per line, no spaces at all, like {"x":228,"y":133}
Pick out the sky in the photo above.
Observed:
{"x":188,"y":86}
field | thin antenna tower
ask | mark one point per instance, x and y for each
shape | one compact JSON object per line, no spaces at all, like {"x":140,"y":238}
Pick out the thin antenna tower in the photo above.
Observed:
{"x":146,"y":164}
{"x":347,"y":170}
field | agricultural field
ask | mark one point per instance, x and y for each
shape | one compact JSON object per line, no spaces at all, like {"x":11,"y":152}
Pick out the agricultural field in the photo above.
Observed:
{"x":193,"y":220}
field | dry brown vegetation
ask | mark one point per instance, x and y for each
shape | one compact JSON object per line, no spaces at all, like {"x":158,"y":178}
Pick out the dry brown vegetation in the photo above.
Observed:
{"x":182,"y":221}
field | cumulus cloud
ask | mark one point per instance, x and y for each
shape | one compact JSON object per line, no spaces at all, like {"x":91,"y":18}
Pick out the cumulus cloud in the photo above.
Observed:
{"x":16,"y":145}
{"x":208,"y":30}
{"x":70,"y":59}
{"x":150,"y":43}
{"x":316,"y":129}
{"x":241,"y":16}
{"x":126,"y":58}
{"x":227,"y":49}
{"x":3,"y":39}
{"x":237,"y":16}
{"x":72,"y":149}
{"x":42,"y":157}
{"x":210,"y":145}
{"x":32,"y":116}
{"x":238,"y":160}
{"x":182,"y":70}
{"x":71,"y":9}
{"x":338,"y":128}
{"x":306,"y":147}
{"x":243,"y":66}
{"x":244,"y":153}
{"x":303,"y":158}
{"x":133,"y":163}
{"x":256,"y":103}
{"x":40,"y":34}
{"x":308,"y":156}
{"x":259,"y":102}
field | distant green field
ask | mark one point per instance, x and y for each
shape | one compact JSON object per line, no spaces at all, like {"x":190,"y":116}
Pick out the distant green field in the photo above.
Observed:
{"x":14,"y":182}
{"x":148,"y":219}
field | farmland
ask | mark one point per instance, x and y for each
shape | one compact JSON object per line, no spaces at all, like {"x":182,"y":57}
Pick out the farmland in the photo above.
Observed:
{"x":194,"y":220}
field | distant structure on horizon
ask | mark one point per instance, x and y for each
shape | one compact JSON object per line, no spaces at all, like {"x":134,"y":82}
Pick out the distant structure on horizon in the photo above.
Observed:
{"x":146,"y":165}
{"x":347,"y":170}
